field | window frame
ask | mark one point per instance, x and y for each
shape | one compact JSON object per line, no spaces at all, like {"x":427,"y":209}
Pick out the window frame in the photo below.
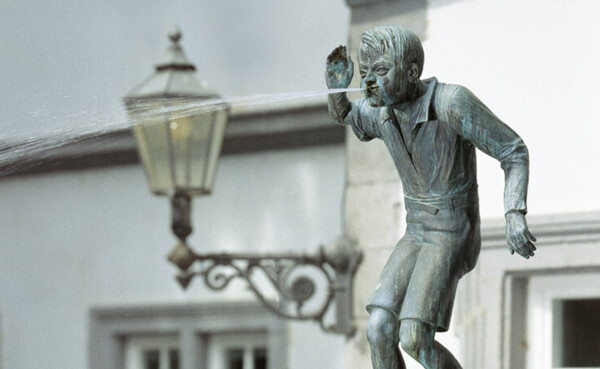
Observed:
{"x":543,"y":292}
{"x":192,"y":324}
{"x":135,"y":346}
{"x":220,"y":343}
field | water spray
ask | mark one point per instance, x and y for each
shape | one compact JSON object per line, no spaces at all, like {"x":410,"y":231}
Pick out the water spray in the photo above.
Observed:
{"x":29,"y":152}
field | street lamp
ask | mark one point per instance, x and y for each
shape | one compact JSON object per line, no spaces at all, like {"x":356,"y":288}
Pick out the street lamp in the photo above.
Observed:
{"x":179,"y":124}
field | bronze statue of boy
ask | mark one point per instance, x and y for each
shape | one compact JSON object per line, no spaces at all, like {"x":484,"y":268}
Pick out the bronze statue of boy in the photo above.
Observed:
{"x":431,"y":131}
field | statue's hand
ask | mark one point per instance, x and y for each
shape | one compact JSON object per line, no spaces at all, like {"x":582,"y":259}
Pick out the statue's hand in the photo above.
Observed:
{"x":339,"y":68}
{"x":518,"y":237}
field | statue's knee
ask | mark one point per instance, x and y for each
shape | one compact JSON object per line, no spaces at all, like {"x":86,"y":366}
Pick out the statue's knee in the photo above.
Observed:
{"x":382,"y":327}
{"x":413,"y":337}
{"x":410,"y":345}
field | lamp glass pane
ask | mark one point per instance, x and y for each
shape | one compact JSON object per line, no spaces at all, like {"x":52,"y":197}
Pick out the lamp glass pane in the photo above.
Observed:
{"x":180,"y":132}
{"x":202,"y":134}
{"x":218,"y":134}
{"x":190,"y":140}
{"x":149,"y":127}
{"x":179,"y":142}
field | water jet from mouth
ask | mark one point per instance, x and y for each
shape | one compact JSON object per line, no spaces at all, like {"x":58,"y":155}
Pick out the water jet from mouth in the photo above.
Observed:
{"x":28,"y":152}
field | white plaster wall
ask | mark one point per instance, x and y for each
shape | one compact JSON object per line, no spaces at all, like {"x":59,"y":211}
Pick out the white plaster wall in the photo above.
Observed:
{"x":75,"y":240}
{"x":535,"y":64}
{"x":66,"y":64}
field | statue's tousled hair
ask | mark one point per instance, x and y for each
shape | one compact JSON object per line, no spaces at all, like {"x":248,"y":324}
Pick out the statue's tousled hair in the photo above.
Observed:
{"x":404,"y":44}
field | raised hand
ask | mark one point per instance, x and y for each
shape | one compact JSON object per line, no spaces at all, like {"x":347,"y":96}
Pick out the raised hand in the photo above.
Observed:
{"x":339,"y":68}
{"x":518,"y":237}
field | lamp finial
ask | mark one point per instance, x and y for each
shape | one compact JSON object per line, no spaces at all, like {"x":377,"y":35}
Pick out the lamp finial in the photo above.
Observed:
{"x":175,"y":35}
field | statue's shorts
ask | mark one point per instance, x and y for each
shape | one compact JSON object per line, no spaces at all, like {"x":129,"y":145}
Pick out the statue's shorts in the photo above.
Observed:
{"x":441,"y":244}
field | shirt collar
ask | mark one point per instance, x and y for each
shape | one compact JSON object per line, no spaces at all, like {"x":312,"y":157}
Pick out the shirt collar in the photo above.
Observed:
{"x":423,"y":112}
{"x":422,"y":109}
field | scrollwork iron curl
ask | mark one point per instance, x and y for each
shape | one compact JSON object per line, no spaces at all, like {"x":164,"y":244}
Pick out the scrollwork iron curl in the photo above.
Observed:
{"x":329,"y":281}
{"x":216,"y":279}
{"x":294,"y":290}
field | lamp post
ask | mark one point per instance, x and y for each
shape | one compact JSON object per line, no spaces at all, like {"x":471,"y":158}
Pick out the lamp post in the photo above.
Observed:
{"x":179,"y":124}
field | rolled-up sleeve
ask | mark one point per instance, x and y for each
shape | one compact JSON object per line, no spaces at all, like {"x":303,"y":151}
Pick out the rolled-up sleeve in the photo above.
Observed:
{"x":365,"y":120}
{"x":477,"y":124}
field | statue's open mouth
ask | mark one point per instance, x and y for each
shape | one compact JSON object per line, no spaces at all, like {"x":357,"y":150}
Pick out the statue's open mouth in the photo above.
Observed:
{"x":371,"y":89}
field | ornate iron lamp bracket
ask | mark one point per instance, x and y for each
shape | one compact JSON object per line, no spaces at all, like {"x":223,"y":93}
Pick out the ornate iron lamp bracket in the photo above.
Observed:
{"x":311,"y":286}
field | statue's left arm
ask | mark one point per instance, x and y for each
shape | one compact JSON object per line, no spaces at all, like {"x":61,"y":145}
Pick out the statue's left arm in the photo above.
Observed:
{"x":489,"y":134}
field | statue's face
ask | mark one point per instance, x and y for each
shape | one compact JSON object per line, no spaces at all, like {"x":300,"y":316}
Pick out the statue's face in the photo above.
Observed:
{"x":383,"y":80}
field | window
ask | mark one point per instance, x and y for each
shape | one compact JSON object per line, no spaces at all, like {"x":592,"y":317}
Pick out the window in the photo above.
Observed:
{"x":564,"y":324}
{"x":161,"y":352}
{"x":235,"y":351}
{"x":220,"y":336}
{"x":240,"y":350}
{"x":576,"y":333}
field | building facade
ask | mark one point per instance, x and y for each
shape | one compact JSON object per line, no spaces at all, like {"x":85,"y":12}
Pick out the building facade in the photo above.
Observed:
{"x":87,"y":282}
{"x":84,"y":281}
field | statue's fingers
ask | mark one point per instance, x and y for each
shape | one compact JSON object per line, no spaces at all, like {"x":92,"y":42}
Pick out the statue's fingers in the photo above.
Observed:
{"x":511,"y":246}
{"x":531,"y":245}
{"x":524,"y":248}
{"x":515,"y":245}
{"x":524,"y":252}
{"x":334,"y":55}
{"x":340,"y":53}
{"x":529,"y":248}
{"x":525,"y":241}
{"x":345,"y":58}
{"x":331,"y":56}
{"x":530,"y":236}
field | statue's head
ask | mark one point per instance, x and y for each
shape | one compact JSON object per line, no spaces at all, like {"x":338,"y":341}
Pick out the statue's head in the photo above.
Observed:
{"x":390,"y":61}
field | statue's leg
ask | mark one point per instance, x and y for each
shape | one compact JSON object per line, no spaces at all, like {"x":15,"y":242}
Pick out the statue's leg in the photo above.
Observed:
{"x":418,"y":340}
{"x":386,"y":301}
{"x":382,"y":333}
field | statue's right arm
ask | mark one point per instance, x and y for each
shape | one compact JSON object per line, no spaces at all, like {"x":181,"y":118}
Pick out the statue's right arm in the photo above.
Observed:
{"x":339,"y":71}
{"x":339,"y":107}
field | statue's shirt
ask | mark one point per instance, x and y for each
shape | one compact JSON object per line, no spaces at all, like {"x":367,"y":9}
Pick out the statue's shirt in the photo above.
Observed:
{"x":433,"y":143}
